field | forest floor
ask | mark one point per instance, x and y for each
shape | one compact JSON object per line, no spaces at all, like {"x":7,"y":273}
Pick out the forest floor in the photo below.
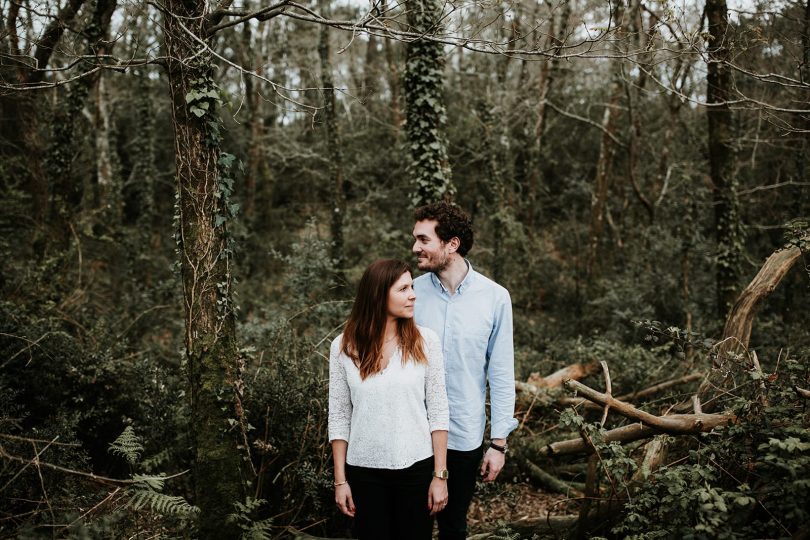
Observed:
{"x":509,"y":502}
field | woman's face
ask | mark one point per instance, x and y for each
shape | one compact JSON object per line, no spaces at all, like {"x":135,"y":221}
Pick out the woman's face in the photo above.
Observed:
{"x":401,"y":297}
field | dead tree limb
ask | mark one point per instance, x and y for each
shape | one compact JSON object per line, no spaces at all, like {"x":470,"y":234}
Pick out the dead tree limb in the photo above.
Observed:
{"x":802,"y":392}
{"x":574,"y":371}
{"x":548,"y":481}
{"x":674,"y":424}
{"x":608,"y":391}
{"x":737,"y":331}
{"x":633,"y":396}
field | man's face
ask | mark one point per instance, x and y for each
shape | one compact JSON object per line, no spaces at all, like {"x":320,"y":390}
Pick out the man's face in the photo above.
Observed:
{"x":432,"y":255}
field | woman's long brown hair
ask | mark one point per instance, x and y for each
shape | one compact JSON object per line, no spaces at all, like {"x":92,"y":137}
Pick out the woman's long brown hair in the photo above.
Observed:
{"x":365,"y":330}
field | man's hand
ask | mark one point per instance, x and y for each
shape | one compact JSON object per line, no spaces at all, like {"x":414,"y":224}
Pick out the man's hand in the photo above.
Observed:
{"x":492,"y":464}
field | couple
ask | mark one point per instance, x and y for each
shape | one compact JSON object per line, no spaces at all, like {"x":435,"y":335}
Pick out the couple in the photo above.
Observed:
{"x":407,"y":402}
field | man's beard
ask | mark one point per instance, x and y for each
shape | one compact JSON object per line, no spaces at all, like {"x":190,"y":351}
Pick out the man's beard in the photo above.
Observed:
{"x":433,"y":266}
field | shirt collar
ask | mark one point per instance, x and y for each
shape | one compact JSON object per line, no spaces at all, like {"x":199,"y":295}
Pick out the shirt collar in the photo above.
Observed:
{"x":466,"y":282}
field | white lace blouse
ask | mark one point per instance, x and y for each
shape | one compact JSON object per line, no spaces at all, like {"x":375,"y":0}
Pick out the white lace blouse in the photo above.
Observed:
{"x":387,"y":419}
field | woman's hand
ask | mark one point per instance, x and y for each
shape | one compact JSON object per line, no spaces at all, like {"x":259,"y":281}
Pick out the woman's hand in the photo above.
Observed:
{"x":343,"y":498}
{"x":437,"y":496}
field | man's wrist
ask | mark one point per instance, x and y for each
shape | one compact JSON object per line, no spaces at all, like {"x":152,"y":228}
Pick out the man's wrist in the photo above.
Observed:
{"x":499,"y":445}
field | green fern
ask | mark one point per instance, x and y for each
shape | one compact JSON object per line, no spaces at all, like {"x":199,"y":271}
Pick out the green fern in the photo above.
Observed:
{"x":127,"y":445}
{"x":153,"y":482}
{"x":257,"y":530}
{"x":251,"y":530}
{"x":161,"y":503}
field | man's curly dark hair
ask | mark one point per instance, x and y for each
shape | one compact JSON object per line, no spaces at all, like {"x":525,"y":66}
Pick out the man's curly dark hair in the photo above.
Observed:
{"x":451,"y":221}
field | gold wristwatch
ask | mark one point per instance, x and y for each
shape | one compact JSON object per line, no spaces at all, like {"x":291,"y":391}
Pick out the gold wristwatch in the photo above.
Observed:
{"x":444,"y":474}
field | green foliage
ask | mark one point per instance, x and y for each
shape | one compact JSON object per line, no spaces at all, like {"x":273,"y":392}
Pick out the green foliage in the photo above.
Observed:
{"x":251,"y":529}
{"x":427,"y":142}
{"x":128,"y":445}
{"x":747,"y":481}
{"x":161,"y":503}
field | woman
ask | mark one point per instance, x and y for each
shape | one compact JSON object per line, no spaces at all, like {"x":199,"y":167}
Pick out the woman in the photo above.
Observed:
{"x":388,"y":416}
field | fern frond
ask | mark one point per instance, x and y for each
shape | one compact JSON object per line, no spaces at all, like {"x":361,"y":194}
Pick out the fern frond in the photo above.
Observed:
{"x":258,"y":530}
{"x":127,"y":445}
{"x":158,"y":459}
{"x":161,"y":503}
{"x":155,"y":483}
{"x":251,"y":530}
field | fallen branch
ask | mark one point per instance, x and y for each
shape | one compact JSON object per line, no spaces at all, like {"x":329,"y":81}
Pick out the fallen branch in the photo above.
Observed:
{"x":737,"y":330}
{"x":674,"y":424}
{"x":548,"y":481}
{"x":608,"y":392}
{"x":90,"y":476}
{"x":556,"y":379}
{"x":633,"y":396}
{"x":802,"y":392}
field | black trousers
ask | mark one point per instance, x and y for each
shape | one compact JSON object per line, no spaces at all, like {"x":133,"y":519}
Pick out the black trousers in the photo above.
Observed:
{"x":392,"y":504}
{"x":463,"y":467}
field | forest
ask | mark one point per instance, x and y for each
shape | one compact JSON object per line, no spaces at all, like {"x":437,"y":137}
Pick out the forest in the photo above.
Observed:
{"x":190,"y":190}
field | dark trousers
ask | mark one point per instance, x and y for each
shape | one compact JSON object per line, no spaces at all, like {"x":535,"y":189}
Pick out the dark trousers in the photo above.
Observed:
{"x":463,"y":467}
{"x":392,"y":504}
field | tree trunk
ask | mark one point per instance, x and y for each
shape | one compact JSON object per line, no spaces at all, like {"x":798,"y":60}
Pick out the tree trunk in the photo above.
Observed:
{"x":424,"y":75}
{"x":728,"y":235}
{"x":607,"y":148}
{"x":393,"y":75}
{"x":533,"y":177}
{"x":107,"y":177}
{"x":332,"y":138}
{"x":68,"y":190}
{"x":25,"y":110}
{"x":203,"y":211}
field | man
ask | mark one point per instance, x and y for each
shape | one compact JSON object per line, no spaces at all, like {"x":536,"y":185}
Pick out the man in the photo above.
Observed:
{"x":473,"y":317}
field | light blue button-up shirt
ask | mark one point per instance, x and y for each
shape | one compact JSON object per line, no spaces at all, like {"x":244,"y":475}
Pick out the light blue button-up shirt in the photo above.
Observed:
{"x":475,"y":329}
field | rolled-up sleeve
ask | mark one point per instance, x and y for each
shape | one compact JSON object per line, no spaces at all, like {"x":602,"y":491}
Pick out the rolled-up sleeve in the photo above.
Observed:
{"x":501,"y":371}
{"x":340,"y":401}
{"x":435,"y":392}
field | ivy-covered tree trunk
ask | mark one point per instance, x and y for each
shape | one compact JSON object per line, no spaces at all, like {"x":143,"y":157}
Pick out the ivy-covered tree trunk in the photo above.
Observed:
{"x":206,"y":263}
{"x":429,"y":166}
{"x":728,"y":234}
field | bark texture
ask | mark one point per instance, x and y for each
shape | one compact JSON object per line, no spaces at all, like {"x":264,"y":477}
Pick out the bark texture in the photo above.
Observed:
{"x":722,"y":156}
{"x":737,"y":331}
{"x":424,"y":105}
{"x":210,"y":338}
